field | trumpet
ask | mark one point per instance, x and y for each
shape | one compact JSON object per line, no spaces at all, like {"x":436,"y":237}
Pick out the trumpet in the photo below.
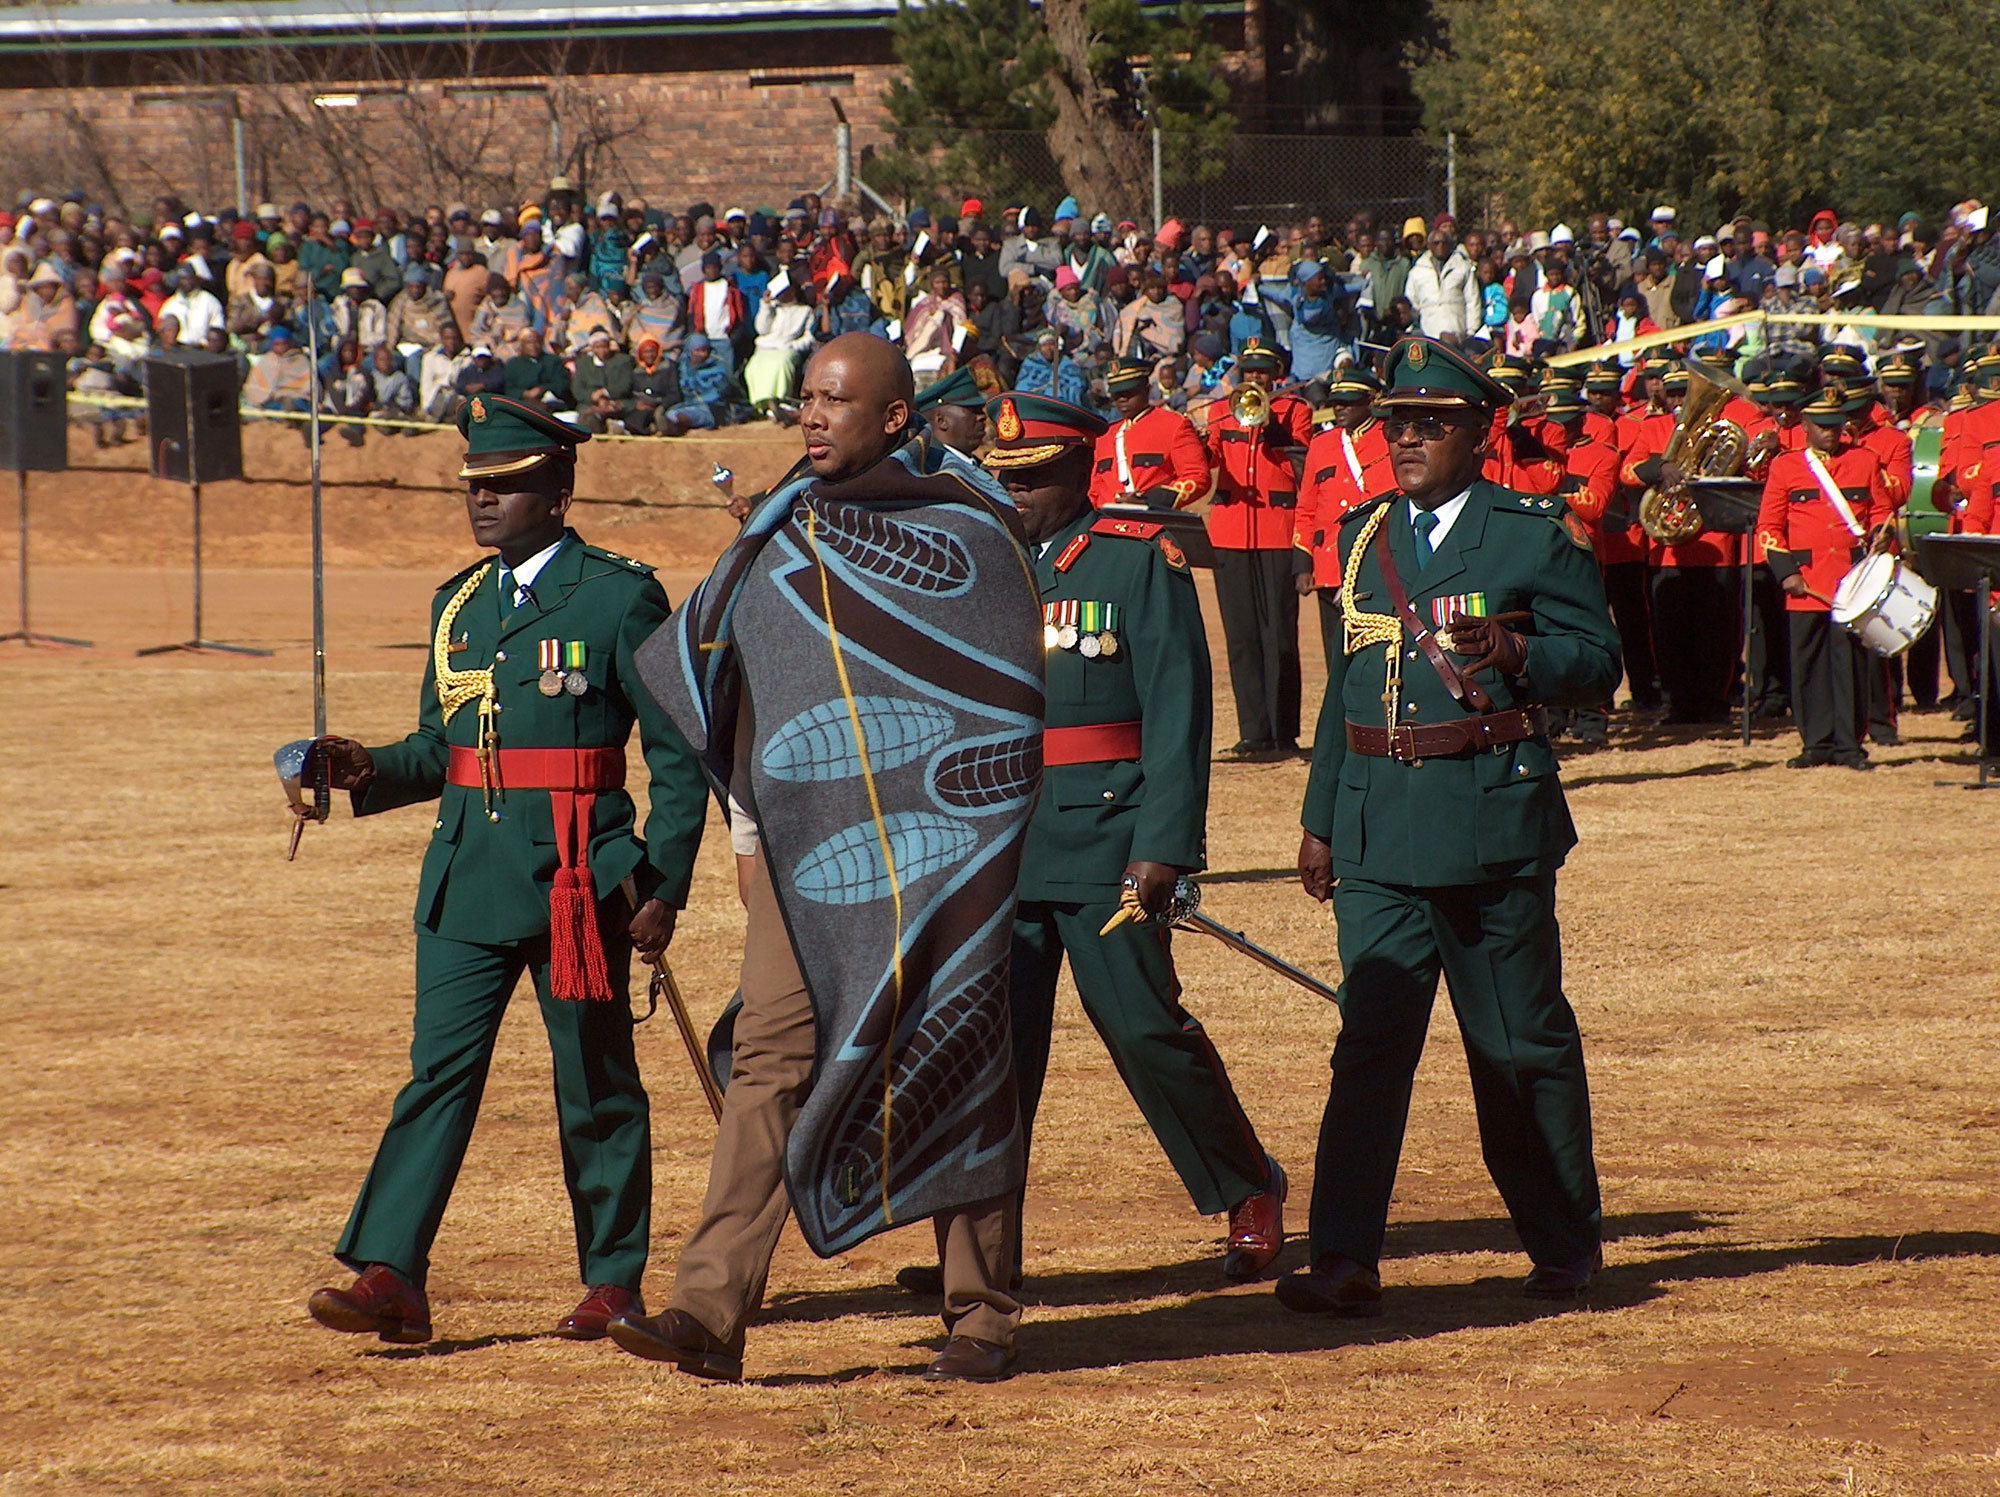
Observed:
{"x":1251,"y":406}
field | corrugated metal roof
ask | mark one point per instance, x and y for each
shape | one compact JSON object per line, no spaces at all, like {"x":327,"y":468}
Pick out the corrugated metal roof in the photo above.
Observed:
{"x":139,"y":20}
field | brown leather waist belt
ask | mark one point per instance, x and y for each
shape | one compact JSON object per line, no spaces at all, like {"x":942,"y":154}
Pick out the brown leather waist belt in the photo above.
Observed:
{"x":1098,"y":743}
{"x":1409,"y":742}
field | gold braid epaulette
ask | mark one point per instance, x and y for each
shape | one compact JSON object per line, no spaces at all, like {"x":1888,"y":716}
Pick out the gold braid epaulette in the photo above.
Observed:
{"x":456,"y":688}
{"x":1365,"y":629}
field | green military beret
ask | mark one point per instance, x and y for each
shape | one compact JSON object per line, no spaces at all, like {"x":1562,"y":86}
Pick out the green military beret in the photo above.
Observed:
{"x":1828,"y":408}
{"x":509,"y":436}
{"x":1125,"y":373}
{"x":1258,"y":359}
{"x":1352,"y":385}
{"x":957,"y":388}
{"x":1029,"y":430}
{"x":1422,"y":372}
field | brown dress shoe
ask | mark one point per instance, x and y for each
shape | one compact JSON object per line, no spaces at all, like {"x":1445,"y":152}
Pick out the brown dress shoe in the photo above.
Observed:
{"x":1257,"y":1229}
{"x":1333,"y":1286}
{"x":382,"y":1301}
{"x":967,"y":1359}
{"x":1563,"y":1280}
{"x":604,"y":1304}
{"x":679,"y":1338}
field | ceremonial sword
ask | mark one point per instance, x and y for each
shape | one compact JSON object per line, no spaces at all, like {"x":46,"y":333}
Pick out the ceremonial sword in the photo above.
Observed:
{"x":297,"y":760}
{"x":1184,"y":912}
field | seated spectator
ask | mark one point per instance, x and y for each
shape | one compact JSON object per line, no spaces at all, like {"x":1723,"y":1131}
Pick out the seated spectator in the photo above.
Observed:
{"x":601,"y":386}
{"x":843,"y":308}
{"x":1154,"y":326}
{"x":657,"y":313}
{"x":193,"y":308}
{"x":282,"y":255}
{"x":656,"y":387}
{"x":257,"y":308}
{"x":121,"y":328}
{"x":1518,"y":334}
{"x":537,"y":376}
{"x":357,"y":314}
{"x":394,"y":393}
{"x":437,"y":376}
{"x":750,"y":274}
{"x":715,"y":308}
{"x":784,"y":337}
{"x":465,"y":283}
{"x":1047,"y":372}
{"x":930,"y":331}
{"x":591,"y":313}
{"x":501,"y":318}
{"x":91,"y":373}
{"x":350,"y":391}
{"x":482,"y":375}
{"x":281,"y":377}
{"x":46,"y":313}
{"x":708,"y":388}
{"x":417,"y":315}
{"x":372,"y":258}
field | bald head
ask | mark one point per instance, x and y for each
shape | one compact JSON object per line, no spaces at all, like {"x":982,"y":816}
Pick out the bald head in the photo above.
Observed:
{"x":856,"y":401}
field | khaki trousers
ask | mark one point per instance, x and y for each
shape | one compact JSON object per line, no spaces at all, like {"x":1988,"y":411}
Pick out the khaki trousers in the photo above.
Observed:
{"x":722,"y":1272}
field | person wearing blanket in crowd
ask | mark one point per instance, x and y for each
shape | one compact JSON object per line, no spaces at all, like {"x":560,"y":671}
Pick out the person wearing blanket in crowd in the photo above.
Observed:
{"x":862,"y":674}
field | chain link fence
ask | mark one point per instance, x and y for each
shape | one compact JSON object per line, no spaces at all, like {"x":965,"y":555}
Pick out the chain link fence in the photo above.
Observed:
{"x":1253,"y":179}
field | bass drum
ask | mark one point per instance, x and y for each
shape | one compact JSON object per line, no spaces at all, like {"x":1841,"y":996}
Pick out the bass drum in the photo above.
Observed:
{"x":1921,"y":514}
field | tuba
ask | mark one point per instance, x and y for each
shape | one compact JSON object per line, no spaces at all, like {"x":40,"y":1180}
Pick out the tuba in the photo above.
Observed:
{"x":1251,"y":406}
{"x":1702,"y":446}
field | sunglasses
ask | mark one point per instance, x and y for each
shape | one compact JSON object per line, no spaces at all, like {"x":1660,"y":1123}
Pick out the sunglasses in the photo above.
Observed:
{"x":1426,"y":428}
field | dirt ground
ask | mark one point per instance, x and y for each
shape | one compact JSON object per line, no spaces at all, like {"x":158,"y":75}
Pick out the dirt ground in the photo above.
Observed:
{"x":1786,"y":983}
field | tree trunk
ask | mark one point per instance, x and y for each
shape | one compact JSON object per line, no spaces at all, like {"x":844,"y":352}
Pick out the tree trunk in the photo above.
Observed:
{"x":1100,"y":147}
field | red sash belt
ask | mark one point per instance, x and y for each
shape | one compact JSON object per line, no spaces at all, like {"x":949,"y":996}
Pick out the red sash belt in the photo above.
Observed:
{"x":572,"y":776}
{"x":1097,"y":744}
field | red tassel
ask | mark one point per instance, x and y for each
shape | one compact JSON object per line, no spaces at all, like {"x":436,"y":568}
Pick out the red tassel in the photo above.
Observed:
{"x":576,"y":950}
{"x":566,"y":975}
{"x":596,"y":976}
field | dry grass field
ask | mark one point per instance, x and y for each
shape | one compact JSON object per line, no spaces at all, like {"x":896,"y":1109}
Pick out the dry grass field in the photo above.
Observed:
{"x":1786,"y":982}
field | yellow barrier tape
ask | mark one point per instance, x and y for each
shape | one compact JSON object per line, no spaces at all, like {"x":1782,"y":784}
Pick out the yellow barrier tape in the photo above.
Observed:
{"x":390,"y":423}
{"x":1688,"y":331}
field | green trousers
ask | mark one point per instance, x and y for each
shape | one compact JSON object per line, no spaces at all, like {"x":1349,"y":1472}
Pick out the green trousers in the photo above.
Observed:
{"x":1127,"y":984}
{"x":462,"y":991}
{"x":1500,"y":951}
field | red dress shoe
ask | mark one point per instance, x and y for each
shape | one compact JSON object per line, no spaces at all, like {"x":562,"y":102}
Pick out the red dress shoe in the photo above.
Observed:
{"x":1257,"y":1229}
{"x":382,"y":1301}
{"x":604,"y":1304}
{"x":967,"y":1359}
{"x":1563,"y":1280}
{"x":679,"y":1338}
{"x":1333,"y":1286}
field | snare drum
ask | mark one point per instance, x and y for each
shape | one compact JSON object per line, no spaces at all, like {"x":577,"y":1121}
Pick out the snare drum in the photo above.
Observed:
{"x":1885,"y":605}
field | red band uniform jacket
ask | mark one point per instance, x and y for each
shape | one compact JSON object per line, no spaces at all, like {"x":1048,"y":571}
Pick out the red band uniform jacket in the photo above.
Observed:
{"x":1256,"y":482}
{"x":1163,"y":462}
{"x":1330,"y":491}
{"x":1803,"y":534}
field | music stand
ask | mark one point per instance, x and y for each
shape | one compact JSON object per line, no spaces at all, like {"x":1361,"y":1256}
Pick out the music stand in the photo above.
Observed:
{"x":196,"y":643}
{"x":24,"y":634}
{"x":1189,"y":530}
{"x":1955,"y":562}
{"x":1729,"y":507}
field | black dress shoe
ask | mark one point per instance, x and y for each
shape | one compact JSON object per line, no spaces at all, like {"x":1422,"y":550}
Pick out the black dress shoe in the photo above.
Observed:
{"x":1563,"y":1280}
{"x":1806,"y":761}
{"x":679,"y":1338}
{"x":967,"y":1359}
{"x":1333,"y":1286}
{"x":1248,"y":749}
{"x":926,"y":1279}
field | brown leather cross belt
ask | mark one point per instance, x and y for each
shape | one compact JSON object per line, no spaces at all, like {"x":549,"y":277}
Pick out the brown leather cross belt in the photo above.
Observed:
{"x":1409,"y":742}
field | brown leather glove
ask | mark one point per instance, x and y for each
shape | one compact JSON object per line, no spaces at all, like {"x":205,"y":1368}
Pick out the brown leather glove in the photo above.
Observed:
{"x":1494,"y":645}
{"x":348,"y":765}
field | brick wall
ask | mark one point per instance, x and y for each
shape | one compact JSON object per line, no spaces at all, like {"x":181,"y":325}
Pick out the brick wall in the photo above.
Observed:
{"x":741,"y":134}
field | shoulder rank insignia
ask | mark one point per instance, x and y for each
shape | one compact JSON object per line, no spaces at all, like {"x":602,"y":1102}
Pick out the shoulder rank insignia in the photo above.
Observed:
{"x":1574,"y":529}
{"x":1071,"y":552}
{"x":1138,"y":530}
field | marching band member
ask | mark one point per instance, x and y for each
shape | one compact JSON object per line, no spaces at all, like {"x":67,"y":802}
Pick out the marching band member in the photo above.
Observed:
{"x":1152,"y":454}
{"x":1348,"y":462}
{"x":1820,"y":511}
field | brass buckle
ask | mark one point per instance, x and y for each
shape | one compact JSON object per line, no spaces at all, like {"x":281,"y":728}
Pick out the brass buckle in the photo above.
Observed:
{"x":1403,"y":743}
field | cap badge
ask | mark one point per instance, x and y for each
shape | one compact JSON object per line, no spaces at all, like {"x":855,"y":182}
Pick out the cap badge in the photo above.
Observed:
{"x":478,"y":409}
{"x":1009,"y":424}
{"x":1418,"y":354}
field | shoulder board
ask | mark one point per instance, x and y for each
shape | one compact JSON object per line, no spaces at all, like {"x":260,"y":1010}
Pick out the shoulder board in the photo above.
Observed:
{"x":624,"y":562}
{"x":1138,"y":530}
{"x":1362,"y":510}
{"x":1548,"y":506}
{"x":457,"y":577}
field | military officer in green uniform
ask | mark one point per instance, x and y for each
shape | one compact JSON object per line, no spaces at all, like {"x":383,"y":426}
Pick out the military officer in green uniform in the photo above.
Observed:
{"x":1123,"y":812}
{"x":1434,"y":819}
{"x":528,"y":700}
{"x":955,"y":407}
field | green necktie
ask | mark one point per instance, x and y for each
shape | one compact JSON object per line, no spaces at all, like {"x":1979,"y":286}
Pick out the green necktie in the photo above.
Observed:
{"x":1423,"y":525}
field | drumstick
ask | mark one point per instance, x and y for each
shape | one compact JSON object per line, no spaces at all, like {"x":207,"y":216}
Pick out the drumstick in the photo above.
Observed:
{"x":1819,"y":597}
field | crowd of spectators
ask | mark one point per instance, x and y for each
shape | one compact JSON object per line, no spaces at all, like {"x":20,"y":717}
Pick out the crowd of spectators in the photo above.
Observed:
{"x":623,"y":316}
